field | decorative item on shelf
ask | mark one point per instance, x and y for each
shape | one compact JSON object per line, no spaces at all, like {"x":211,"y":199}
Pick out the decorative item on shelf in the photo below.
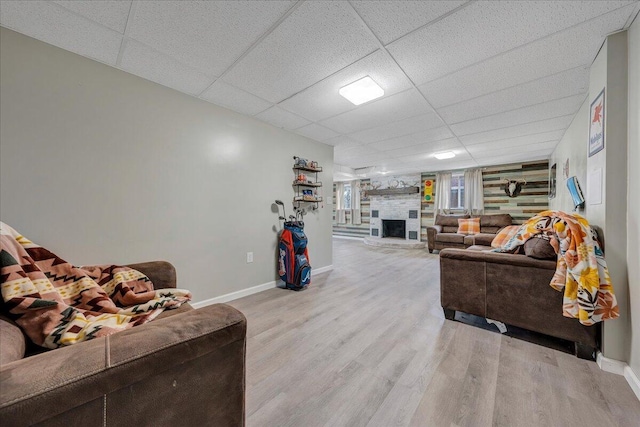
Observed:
{"x":393,"y":183}
{"x":302,"y":181}
{"x":300,"y":161}
{"x":512,"y":187}
{"x":376,"y":184}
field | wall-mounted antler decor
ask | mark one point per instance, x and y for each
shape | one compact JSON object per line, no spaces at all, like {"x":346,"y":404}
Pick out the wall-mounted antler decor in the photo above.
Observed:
{"x":512,"y":187}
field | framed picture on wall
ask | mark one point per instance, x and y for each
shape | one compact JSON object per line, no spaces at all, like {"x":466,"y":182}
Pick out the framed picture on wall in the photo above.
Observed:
{"x":552,"y":181}
{"x":596,"y":124}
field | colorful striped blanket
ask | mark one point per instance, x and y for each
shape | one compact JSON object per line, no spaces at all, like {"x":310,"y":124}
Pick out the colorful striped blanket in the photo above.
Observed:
{"x":57,"y":304}
{"x":581,"y":270}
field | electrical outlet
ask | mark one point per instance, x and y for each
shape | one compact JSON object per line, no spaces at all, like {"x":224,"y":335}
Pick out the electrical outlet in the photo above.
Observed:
{"x":249,"y":257}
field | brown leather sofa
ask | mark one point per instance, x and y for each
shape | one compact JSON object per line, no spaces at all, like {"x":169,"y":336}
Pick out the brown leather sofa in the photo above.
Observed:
{"x":513,"y":289}
{"x":443,"y":234}
{"x":185,"y":368}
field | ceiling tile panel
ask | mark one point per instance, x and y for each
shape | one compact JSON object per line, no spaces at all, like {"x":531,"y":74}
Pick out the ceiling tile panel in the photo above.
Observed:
{"x":207,"y":35}
{"x":317,"y":132}
{"x":500,"y":151}
{"x":60,"y":27}
{"x":432,"y":165}
{"x":235,"y":99}
{"x":402,"y":127}
{"x":561,"y":85}
{"x":547,"y":110}
{"x":537,"y":138}
{"x":360,"y":161}
{"x":430,"y":135}
{"x":145,"y":62}
{"x":572,"y":48}
{"x":361,"y":150}
{"x":428,"y":149}
{"x":112,"y":14}
{"x":428,"y":158}
{"x":282,"y":118}
{"x":342,"y":140}
{"x":386,"y":110}
{"x":519,"y":131}
{"x":485,"y":29}
{"x":390,"y":20}
{"x":315,"y":41}
{"x":516,"y":157}
{"x":322,"y":100}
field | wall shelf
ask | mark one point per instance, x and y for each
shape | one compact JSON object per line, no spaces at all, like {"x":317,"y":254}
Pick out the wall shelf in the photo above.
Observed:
{"x":307,"y":184}
{"x":303,"y":183}
{"x":307,"y":168}
{"x":308,"y":199}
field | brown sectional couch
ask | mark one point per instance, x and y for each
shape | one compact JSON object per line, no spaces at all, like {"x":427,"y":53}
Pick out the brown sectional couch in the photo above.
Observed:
{"x":443,"y":234}
{"x":185,"y":368}
{"x":513,"y":289}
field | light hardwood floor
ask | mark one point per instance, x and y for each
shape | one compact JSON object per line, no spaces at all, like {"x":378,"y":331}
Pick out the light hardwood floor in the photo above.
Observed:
{"x":367,"y":344}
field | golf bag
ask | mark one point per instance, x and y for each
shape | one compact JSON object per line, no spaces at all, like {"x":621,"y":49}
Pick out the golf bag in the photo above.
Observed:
{"x":293,"y":257}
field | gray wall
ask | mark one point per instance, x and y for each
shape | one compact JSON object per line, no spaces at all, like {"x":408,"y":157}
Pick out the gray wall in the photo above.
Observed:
{"x":633,"y":201}
{"x":609,"y":71}
{"x":572,"y":146}
{"x":101,"y":166}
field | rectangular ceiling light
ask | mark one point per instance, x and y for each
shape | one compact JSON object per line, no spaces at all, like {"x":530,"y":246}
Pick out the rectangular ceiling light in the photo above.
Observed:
{"x":445,"y":155}
{"x":361,"y":91}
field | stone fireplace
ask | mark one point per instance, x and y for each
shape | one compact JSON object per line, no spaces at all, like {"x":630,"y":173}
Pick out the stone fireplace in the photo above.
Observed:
{"x":396,"y":216}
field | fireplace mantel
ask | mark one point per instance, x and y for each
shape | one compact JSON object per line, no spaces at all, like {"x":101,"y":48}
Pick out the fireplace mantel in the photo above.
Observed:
{"x":392,"y":191}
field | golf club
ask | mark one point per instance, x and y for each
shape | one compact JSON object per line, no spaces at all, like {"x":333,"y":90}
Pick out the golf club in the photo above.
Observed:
{"x":279,"y":203}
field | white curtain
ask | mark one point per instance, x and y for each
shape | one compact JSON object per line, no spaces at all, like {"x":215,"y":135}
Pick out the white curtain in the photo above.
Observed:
{"x":341,"y":217}
{"x":473,"y":192}
{"x":443,"y":192}
{"x":356,"y":213}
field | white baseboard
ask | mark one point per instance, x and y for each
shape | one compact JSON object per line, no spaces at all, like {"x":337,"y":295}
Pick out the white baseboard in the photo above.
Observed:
{"x":235,"y":295}
{"x":620,"y":368}
{"x":321,"y":270}
{"x":610,"y":365}
{"x":252,"y":290}
{"x":633,"y":380}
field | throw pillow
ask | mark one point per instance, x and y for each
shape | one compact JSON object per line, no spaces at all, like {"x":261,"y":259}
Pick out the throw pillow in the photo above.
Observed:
{"x":504,"y":236}
{"x":538,"y":247}
{"x":469,"y":226}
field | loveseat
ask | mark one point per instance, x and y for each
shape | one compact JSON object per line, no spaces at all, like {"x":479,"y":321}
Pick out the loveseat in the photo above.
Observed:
{"x":444,"y":232}
{"x":185,"y":368}
{"x":513,"y":289}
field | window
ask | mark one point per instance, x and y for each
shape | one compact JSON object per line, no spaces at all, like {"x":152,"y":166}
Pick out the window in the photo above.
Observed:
{"x":457,"y":190}
{"x":347,"y":196}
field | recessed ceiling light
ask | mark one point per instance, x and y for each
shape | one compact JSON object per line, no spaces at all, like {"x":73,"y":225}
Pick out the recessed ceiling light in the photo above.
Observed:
{"x":445,"y":155}
{"x":361,"y":91}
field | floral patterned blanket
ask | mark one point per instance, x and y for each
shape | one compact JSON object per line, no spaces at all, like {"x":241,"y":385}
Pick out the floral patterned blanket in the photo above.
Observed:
{"x":581,"y":269}
{"x":57,"y":304}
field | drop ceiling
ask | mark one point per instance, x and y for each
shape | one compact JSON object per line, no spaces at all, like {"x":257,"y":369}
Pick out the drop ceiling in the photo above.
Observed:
{"x":494,"y":82}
